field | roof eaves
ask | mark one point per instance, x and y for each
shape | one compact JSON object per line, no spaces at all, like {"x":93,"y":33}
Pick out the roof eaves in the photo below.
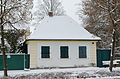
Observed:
{"x":64,"y":39}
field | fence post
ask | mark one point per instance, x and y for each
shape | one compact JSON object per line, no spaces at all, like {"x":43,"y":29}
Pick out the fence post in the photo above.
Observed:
{"x":24,"y":61}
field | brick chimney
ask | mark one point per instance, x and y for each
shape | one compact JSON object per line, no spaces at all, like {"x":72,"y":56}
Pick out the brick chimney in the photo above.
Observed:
{"x":50,"y":14}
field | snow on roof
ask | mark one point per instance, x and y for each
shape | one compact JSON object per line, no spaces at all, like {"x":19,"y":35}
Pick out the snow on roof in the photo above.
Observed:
{"x":60,"y":28}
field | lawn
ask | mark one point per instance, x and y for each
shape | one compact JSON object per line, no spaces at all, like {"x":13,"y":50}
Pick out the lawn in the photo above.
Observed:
{"x":65,"y":73}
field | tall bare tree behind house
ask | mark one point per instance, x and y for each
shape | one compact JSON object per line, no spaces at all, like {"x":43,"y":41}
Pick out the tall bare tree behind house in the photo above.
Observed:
{"x":44,"y":8}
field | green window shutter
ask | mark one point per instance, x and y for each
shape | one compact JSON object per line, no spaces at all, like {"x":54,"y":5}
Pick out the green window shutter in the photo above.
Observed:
{"x":45,"y":52}
{"x":64,"y":52}
{"x":82,"y":52}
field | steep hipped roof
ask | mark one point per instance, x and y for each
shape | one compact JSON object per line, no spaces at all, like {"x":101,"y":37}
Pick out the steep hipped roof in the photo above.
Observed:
{"x":60,"y":28}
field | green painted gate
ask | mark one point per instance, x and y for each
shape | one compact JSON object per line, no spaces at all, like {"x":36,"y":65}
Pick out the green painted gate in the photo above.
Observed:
{"x":16,"y":61}
{"x":102,"y":55}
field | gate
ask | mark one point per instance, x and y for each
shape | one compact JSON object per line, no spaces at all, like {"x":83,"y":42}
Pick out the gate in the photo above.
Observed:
{"x":16,"y":61}
{"x":103,"y":55}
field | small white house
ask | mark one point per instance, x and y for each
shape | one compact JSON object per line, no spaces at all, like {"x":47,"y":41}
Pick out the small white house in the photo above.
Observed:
{"x":59,"y":41}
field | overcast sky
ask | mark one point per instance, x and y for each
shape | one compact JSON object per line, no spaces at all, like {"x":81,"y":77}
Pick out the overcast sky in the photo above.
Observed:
{"x":71,"y":7}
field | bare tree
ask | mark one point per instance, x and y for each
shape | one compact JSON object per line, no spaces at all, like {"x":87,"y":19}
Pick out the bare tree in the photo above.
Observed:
{"x":41,"y":9}
{"x":52,"y":5}
{"x":12,"y":14}
{"x":103,"y":20}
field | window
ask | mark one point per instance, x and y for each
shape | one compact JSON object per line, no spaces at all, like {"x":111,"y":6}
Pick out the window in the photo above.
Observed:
{"x":64,"y":52}
{"x":82,"y":52}
{"x":45,"y":52}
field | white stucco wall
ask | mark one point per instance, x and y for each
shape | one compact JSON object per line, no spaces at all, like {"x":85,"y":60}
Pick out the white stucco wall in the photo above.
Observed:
{"x":56,"y":61}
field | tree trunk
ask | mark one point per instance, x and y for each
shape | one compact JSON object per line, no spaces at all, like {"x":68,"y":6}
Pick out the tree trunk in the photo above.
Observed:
{"x":2,"y":43}
{"x":113,"y":51}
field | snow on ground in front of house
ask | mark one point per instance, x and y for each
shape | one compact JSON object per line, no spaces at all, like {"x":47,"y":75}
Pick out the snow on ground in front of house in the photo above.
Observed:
{"x":68,"y":73}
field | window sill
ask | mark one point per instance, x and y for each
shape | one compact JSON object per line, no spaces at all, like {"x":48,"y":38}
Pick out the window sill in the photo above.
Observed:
{"x":64,"y":58}
{"x":45,"y":58}
{"x":82,"y":58}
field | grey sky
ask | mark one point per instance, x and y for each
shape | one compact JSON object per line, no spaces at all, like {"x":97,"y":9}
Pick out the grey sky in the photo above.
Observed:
{"x":71,"y":8}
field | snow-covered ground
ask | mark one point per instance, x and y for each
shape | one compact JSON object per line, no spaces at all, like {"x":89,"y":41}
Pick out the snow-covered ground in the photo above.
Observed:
{"x":66,"y":73}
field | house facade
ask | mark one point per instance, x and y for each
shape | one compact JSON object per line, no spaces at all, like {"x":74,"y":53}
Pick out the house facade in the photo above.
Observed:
{"x":59,"y":41}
